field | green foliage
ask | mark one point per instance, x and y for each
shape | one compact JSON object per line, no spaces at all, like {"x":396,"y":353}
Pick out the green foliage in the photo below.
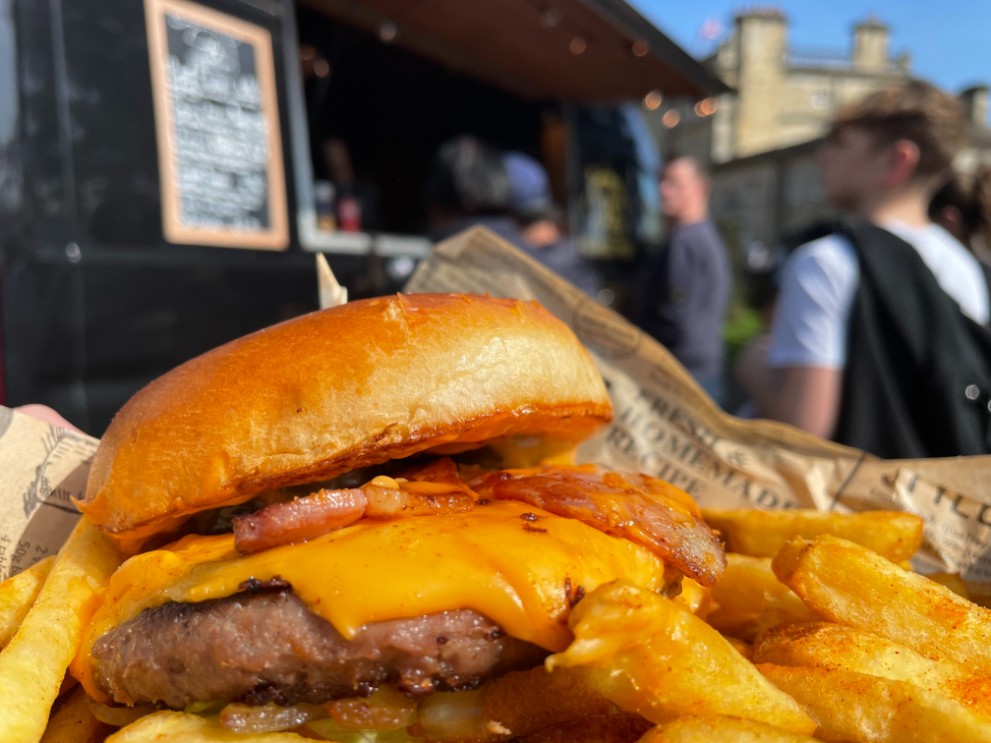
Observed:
{"x":743,"y":325}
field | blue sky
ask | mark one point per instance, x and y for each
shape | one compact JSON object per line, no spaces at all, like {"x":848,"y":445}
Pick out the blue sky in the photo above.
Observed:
{"x":949,"y":40}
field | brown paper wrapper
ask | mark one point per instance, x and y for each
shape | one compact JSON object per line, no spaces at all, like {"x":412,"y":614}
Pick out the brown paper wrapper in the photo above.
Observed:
{"x":42,"y":468}
{"x":664,"y":425}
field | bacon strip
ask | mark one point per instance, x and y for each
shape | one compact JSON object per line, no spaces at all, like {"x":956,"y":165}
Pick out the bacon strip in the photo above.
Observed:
{"x":326,"y":510}
{"x":637,"y":507}
{"x":443,"y":470}
{"x":299,"y":519}
{"x":407,"y":500}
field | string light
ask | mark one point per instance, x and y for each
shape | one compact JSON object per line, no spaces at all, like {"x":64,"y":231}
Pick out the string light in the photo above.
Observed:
{"x":653,"y":100}
{"x":321,"y":67}
{"x":705,"y":107}
{"x":388,"y":32}
{"x":550,"y":17}
{"x":671,"y":118}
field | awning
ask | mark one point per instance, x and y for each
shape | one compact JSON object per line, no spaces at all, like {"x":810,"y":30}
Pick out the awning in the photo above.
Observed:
{"x":575,"y":50}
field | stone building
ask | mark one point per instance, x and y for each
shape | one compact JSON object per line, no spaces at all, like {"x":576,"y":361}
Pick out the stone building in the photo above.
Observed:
{"x":782,"y":95}
{"x":764,"y":198}
{"x":760,"y":139}
{"x":785,"y":95}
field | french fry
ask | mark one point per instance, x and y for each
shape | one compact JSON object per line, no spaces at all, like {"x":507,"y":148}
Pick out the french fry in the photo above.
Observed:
{"x":182,"y":727}
{"x":651,"y":656}
{"x":695,"y":597}
{"x":525,"y":702}
{"x":856,"y":707}
{"x":894,"y":534}
{"x":713,"y":729}
{"x":953,"y":581}
{"x":977,"y":591}
{"x":34,"y":662}
{"x":743,"y":648}
{"x":74,"y":722}
{"x":618,"y":727}
{"x":834,"y":646}
{"x":749,"y":599}
{"x":17,"y":595}
{"x":849,"y":584}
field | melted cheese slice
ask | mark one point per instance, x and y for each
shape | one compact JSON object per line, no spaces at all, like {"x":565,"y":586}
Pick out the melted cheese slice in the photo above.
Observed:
{"x":494,"y":559}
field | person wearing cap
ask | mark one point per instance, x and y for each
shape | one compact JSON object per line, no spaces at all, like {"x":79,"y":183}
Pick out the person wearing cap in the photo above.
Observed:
{"x":468,"y":186}
{"x":683,"y":299}
{"x":537,"y":217}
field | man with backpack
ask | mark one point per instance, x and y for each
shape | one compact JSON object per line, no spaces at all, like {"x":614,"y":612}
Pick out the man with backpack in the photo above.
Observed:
{"x":879,"y":338}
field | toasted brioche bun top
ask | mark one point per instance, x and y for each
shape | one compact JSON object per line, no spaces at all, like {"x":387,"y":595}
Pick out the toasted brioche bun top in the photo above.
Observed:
{"x":326,"y":393}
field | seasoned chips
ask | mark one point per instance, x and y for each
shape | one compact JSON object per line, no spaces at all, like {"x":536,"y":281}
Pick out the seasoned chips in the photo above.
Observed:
{"x":893,"y":534}
{"x":17,"y":595}
{"x":850,"y":706}
{"x":716,"y":729}
{"x":74,"y":722}
{"x":750,"y":598}
{"x":650,"y":655}
{"x":849,"y":584}
{"x":33,"y":663}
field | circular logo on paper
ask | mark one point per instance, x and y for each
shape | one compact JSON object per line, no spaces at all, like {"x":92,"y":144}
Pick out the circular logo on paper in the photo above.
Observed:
{"x":604,"y":333}
{"x":6,"y":418}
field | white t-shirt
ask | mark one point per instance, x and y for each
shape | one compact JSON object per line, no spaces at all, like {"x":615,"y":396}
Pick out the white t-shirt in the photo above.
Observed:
{"x":820,"y":279}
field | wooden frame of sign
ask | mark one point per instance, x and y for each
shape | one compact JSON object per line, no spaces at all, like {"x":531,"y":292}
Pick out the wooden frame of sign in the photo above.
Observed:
{"x":217,"y":126}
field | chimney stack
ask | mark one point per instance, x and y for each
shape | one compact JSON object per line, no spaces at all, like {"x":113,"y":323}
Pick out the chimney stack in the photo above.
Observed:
{"x":870,"y":45}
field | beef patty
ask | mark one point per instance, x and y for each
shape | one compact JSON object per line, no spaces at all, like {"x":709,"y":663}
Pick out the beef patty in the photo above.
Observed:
{"x":264,"y":645}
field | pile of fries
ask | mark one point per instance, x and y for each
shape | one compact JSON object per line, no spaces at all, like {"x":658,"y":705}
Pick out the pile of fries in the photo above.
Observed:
{"x":819,"y":630}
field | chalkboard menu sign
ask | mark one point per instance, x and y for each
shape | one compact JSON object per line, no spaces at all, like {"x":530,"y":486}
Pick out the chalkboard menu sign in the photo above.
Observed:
{"x":217,"y":122}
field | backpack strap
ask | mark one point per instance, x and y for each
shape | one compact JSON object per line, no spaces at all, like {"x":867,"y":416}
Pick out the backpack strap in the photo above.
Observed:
{"x":918,"y":370}
{"x":986,"y":270}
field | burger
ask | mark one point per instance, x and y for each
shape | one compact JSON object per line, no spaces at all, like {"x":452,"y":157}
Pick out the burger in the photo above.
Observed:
{"x":372,"y":502}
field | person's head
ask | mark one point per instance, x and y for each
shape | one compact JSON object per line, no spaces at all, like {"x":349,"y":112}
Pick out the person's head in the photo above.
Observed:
{"x":684,"y":190}
{"x":467,"y":180}
{"x":963,"y":207}
{"x":529,"y":189}
{"x":901,"y":139}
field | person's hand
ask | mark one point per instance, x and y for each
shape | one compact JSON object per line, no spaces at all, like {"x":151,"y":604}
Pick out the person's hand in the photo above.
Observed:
{"x":47,"y":414}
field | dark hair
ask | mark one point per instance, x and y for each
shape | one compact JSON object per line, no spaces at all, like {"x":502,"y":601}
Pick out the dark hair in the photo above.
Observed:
{"x":468,"y":179}
{"x":970,"y":196}
{"x":923,"y":114}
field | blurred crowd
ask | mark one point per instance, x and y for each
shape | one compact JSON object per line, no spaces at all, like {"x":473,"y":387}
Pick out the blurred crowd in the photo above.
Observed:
{"x":472,"y":183}
{"x":876,"y":323}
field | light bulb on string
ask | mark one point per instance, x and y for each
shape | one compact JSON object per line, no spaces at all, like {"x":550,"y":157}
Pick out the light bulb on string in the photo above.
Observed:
{"x":653,"y":100}
{"x":550,"y":17}
{"x":705,"y":107}
{"x":388,"y":32}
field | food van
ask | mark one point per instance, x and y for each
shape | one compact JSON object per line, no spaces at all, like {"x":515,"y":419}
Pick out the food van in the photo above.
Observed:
{"x":163,"y":163}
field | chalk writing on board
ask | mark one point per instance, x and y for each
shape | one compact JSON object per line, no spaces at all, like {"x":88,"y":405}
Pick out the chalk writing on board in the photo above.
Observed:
{"x":220,"y":128}
{"x":218,"y":125}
